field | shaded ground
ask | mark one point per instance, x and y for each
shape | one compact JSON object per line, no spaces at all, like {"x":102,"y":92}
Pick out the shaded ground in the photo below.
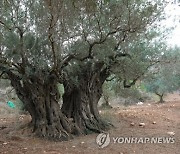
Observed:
{"x":15,"y":138}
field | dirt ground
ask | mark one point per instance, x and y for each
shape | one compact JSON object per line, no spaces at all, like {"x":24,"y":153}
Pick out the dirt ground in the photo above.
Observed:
{"x":159,"y":119}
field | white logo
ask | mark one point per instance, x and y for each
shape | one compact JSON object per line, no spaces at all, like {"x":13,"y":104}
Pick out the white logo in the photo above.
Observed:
{"x":103,"y":140}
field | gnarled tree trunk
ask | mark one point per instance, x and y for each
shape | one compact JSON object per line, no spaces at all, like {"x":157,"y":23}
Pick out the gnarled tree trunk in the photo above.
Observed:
{"x":79,"y":113}
{"x":80,"y":102}
{"x":40,"y":95}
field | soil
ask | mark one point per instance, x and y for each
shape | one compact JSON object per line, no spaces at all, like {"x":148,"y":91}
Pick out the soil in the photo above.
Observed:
{"x":159,"y":119}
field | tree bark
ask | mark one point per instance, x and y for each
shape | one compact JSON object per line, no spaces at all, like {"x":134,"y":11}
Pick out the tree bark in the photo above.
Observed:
{"x":80,"y":103}
{"x":79,"y":113}
{"x":40,"y":96}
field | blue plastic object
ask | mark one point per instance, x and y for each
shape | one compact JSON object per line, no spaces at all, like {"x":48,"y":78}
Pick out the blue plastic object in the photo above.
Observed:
{"x":11,"y":104}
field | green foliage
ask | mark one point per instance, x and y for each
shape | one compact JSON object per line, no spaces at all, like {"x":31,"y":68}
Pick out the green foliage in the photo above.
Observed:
{"x":108,"y":88}
{"x":167,"y":79}
{"x":132,"y":93}
{"x":116,"y":33}
{"x":108,"y":92}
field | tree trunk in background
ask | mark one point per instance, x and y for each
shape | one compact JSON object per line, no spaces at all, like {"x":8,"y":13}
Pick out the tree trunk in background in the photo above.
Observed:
{"x":106,"y":104}
{"x":160,"y":97}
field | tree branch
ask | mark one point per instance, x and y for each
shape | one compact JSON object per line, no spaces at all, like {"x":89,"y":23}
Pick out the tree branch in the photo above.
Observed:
{"x":5,"y":25}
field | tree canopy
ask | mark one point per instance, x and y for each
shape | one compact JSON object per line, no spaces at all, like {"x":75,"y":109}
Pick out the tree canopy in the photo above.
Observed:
{"x":165,"y":78}
{"x":80,"y":45}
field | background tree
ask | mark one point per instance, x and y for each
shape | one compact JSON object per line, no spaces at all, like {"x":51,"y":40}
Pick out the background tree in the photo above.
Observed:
{"x":165,"y":77}
{"x":108,"y":93}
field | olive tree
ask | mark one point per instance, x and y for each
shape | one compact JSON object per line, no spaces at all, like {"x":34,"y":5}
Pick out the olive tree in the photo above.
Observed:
{"x":75,"y":43}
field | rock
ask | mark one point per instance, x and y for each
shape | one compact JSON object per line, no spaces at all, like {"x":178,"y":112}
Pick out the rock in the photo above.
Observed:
{"x":171,"y":133}
{"x":25,"y":148}
{"x":142,"y":124}
{"x":2,"y":127}
{"x":140,"y":103}
{"x":154,"y":122}
{"x":82,"y":142}
{"x":132,"y":124}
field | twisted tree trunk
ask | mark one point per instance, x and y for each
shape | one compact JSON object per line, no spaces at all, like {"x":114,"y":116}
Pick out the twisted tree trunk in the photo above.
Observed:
{"x":40,"y":96}
{"x":79,"y":113}
{"x":80,"y":102}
